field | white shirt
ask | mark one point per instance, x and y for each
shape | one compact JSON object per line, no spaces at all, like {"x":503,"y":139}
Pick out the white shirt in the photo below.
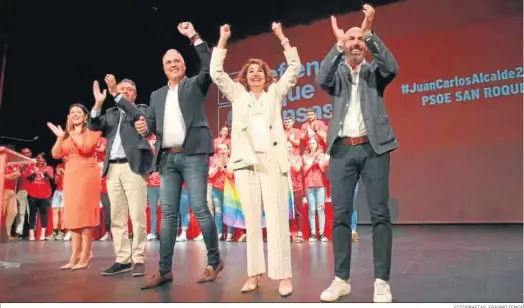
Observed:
{"x":174,"y":125}
{"x":117,"y":149}
{"x":257,"y":127}
{"x":353,"y":124}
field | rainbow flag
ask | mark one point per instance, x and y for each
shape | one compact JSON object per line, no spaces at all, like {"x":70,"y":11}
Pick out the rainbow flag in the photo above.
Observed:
{"x":232,"y":214}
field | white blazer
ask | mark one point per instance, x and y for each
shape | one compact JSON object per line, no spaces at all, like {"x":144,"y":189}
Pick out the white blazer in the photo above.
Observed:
{"x":242,"y":153}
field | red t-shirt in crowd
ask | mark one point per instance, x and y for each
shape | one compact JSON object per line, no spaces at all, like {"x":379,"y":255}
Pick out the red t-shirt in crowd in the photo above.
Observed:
{"x":218,"y":141}
{"x":296,"y":133}
{"x":59,"y":178}
{"x":296,"y":176}
{"x":24,"y":182}
{"x":153,"y":180}
{"x":100,"y":155}
{"x":40,"y":186}
{"x":218,"y":181}
{"x":309,"y":132}
{"x":313,"y":177}
{"x":103,"y":185}
{"x":11,"y":184}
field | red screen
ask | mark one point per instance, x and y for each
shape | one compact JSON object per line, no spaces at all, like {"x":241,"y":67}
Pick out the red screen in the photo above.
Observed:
{"x":460,"y":125}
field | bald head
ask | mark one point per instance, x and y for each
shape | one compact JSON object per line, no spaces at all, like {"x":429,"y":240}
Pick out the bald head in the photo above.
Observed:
{"x":354,"y":30}
{"x":174,"y":66}
{"x":355,"y":48}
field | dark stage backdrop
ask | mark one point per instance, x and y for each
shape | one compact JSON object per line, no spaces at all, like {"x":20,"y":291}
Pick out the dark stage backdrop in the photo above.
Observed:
{"x":456,"y":105}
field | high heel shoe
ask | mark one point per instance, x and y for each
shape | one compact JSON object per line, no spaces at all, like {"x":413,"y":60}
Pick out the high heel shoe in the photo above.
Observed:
{"x":285,"y":289}
{"x":72,"y":262}
{"x":80,"y":266}
{"x":249,"y":287}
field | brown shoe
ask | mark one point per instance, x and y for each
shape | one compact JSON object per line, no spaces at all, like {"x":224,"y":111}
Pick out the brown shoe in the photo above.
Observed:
{"x":156,"y":280}
{"x":211,"y":274}
{"x":354,"y":237}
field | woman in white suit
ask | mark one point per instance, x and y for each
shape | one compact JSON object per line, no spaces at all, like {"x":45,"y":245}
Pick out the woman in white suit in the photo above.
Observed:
{"x":259,"y":156}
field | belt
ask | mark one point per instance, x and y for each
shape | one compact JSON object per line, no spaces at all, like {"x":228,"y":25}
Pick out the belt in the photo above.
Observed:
{"x":175,"y":149}
{"x":118,"y":161}
{"x":355,"y":140}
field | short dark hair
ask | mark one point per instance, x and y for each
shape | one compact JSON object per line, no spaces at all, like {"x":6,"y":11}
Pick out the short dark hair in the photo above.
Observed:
{"x":128,"y":81}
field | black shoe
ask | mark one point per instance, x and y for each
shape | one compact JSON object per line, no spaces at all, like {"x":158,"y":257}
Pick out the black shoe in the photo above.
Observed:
{"x":300,"y":239}
{"x":116,"y":269}
{"x":139,"y":269}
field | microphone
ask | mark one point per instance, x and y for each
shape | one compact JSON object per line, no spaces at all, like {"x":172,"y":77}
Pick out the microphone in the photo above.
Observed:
{"x":18,"y":139}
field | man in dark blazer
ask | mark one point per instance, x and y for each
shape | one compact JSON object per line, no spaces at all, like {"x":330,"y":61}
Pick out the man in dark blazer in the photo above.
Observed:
{"x":184,"y":144}
{"x":128,"y":159}
{"x":359,"y":142}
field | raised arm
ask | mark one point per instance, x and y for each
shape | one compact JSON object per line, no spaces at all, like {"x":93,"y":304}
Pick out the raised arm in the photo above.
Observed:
{"x":290,"y":77}
{"x":96,"y":121}
{"x":225,"y":84}
{"x":386,"y":64}
{"x":202,"y":80}
{"x":326,"y":77}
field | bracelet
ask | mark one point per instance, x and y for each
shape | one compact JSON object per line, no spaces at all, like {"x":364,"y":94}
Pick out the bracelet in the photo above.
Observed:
{"x":194,"y":38}
{"x":284,"y":41}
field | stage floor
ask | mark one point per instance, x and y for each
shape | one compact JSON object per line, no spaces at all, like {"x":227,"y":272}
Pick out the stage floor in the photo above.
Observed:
{"x":430,"y":264}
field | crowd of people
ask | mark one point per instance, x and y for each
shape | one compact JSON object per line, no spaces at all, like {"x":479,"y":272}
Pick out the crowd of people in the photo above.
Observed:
{"x":256,"y":174}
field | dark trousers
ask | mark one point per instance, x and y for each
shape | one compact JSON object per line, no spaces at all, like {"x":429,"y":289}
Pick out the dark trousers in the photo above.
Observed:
{"x":106,"y":205}
{"x":347,"y":163}
{"x":41,"y":205}
{"x":298,"y":197}
{"x":176,"y":168}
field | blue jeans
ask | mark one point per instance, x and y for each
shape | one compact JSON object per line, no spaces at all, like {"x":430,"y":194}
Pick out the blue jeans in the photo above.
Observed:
{"x":354,"y":214}
{"x":153,"y":193}
{"x":218,"y":202}
{"x":176,"y":168}
{"x":315,"y":199}
{"x":184,"y":210}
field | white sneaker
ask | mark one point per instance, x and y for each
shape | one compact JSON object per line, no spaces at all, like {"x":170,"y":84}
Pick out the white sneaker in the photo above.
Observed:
{"x":31,"y":235}
{"x":42,"y":234}
{"x":229,"y":237}
{"x":181,"y":238}
{"x":151,"y":237}
{"x":242,"y":238}
{"x":67,"y":237}
{"x":382,"y":292}
{"x":106,"y":237}
{"x":199,"y":238}
{"x":337,"y":289}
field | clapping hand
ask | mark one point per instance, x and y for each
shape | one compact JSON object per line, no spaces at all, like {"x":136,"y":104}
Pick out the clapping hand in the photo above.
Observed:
{"x":100,"y":96}
{"x":186,"y":29}
{"x":369,"y":13}
{"x":57,"y":130}
{"x":339,"y":33}
{"x":111,"y":84}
